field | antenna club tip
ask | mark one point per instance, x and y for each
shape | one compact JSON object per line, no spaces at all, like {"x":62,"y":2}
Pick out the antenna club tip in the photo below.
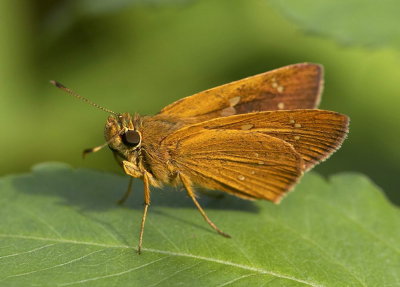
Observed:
{"x":57,"y":84}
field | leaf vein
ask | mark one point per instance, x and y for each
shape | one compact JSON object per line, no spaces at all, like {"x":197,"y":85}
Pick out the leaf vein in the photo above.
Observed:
{"x":163,"y":235}
{"x":55,"y":266}
{"x":213,"y":260}
{"x":175,"y":273}
{"x":312,"y":242}
{"x":29,"y":251}
{"x":236,"y":279}
{"x":359,"y":225}
{"x":113,"y":274}
{"x":44,"y":222}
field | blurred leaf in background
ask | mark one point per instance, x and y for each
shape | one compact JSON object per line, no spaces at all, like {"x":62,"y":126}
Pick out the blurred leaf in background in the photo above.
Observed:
{"x":351,"y":22}
{"x":138,"y":56}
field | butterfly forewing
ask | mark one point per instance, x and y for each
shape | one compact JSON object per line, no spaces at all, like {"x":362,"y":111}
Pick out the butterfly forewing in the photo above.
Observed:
{"x":292,"y":87}
{"x":244,"y":163}
{"x":314,"y":134}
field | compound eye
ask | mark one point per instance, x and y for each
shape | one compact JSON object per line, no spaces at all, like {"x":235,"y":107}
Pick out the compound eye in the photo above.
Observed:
{"x":131,"y":138}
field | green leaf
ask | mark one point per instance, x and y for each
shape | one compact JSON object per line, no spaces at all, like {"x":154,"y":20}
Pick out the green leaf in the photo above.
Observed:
{"x":354,"y":22}
{"x":61,"y":227}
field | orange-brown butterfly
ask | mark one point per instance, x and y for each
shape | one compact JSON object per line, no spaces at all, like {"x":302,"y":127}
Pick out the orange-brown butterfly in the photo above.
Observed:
{"x":253,"y":138}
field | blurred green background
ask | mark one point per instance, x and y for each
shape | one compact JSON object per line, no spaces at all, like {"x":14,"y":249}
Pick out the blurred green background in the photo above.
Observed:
{"x":138,"y":56}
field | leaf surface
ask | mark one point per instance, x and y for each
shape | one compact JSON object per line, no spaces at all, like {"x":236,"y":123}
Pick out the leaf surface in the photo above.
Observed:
{"x":61,"y":227}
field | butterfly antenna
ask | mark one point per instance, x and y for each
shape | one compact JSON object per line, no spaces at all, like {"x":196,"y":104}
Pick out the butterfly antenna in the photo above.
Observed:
{"x":72,"y":93}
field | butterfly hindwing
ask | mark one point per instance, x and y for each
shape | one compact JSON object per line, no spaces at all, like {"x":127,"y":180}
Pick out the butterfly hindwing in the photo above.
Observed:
{"x":244,"y":163}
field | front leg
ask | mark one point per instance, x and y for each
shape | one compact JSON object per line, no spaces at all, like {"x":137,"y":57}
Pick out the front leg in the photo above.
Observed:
{"x":133,"y":171}
{"x":146,"y":207}
{"x":129,"y":169}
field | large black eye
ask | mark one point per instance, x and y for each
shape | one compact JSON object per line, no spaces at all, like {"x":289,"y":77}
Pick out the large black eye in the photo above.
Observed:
{"x":131,"y":138}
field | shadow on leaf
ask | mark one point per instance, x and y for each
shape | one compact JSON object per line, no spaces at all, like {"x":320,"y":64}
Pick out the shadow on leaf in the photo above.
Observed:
{"x":95,"y":190}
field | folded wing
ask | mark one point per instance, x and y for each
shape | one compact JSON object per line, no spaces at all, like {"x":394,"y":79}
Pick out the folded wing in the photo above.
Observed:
{"x":292,"y":87}
{"x":314,"y":134}
{"x":244,"y":163}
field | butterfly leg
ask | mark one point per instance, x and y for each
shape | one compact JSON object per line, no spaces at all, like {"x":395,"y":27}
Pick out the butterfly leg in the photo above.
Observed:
{"x":129,"y":169}
{"x":127,"y":192}
{"x":188,"y":186}
{"x":146,"y":207}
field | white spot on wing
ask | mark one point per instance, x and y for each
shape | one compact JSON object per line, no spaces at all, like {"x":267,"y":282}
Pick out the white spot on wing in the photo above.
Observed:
{"x":234,"y":101}
{"x":228,"y":111}
{"x":241,"y":177}
{"x":276,"y":85}
{"x":281,"y":106}
{"x":247,"y":127}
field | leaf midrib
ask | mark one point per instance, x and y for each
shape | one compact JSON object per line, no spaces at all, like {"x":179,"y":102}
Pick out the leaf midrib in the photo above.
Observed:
{"x":169,"y":253}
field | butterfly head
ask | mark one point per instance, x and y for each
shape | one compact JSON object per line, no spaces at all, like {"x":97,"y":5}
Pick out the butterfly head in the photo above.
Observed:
{"x":122,"y":134}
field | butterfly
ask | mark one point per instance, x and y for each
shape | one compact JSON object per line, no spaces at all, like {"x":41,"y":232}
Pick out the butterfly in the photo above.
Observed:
{"x":253,"y":138}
